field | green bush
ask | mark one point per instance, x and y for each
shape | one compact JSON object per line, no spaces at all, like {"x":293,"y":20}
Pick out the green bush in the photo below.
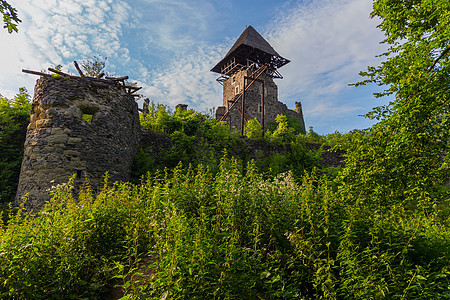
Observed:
{"x":196,"y":234}
{"x":14,"y":118}
{"x":253,"y":129}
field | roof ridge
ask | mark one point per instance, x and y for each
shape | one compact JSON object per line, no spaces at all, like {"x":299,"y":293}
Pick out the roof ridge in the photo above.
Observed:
{"x":252,"y":38}
{"x":251,"y":46}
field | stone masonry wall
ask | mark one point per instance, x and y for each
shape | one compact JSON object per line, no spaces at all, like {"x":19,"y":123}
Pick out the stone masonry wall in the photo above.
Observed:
{"x":59,"y":143}
{"x":272,"y":107}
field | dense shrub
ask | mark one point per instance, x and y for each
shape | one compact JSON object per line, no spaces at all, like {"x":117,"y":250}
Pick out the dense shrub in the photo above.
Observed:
{"x":14,"y":118}
{"x":229,"y":235}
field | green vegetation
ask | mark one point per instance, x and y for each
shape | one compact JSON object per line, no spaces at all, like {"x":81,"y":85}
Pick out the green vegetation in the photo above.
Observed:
{"x":209,"y":219}
{"x":14,"y":118}
{"x":94,"y":67}
{"x":199,"y":139}
{"x":401,"y":158}
{"x":199,"y":235}
{"x":10,"y":17}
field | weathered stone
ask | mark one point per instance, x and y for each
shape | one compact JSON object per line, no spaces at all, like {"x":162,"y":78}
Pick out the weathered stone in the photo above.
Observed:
{"x":48,"y":150}
{"x":57,"y":131}
{"x":31,"y":126}
{"x":43,"y":123}
{"x":233,"y":86}
{"x":33,"y":118}
{"x":62,"y":144}
{"x":73,"y":140}
{"x":72,"y":153}
{"x":57,"y":139}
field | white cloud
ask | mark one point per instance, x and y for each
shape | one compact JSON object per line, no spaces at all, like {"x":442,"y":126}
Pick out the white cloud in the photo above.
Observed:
{"x":171,"y":27}
{"x":161,"y":44}
{"x":187,"y":80}
{"x":328,"y":43}
{"x":57,"y":32}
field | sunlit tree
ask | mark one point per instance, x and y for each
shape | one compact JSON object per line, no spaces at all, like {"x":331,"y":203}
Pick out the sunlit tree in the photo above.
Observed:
{"x":404,"y":156}
{"x":10,"y":17}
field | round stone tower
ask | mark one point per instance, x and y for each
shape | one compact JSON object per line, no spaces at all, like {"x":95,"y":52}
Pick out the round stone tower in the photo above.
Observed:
{"x":78,"y":126}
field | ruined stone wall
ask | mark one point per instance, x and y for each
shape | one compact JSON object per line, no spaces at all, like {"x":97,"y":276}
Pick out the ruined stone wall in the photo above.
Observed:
{"x":60,"y":143}
{"x":272,"y":107}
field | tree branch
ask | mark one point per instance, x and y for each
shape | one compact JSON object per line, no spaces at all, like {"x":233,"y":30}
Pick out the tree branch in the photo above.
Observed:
{"x":437,"y":59}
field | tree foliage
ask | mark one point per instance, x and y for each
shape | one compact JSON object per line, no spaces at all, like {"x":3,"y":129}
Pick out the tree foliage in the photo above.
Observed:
{"x":404,"y":156}
{"x":10,"y":17}
{"x":94,"y":67}
{"x":14,"y":118}
{"x":253,"y":129}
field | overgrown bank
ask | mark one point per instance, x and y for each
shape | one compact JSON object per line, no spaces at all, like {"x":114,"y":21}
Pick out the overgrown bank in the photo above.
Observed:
{"x":378,"y":228}
{"x":224,"y":236}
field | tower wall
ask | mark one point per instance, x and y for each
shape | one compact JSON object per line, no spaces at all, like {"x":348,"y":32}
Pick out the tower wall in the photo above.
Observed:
{"x":61,"y":140}
{"x":272,"y":107}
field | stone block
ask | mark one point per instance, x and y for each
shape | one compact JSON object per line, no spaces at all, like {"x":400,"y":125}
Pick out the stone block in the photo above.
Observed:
{"x":57,"y":131}
{"x":71,"y":153}
{"x":57,"y":139}
{"x":73,"y":140}
{"x":45,"y":123}
{"x":31,"y":126}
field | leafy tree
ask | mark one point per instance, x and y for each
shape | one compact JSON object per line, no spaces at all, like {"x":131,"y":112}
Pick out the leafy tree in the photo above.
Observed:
{"x":403,"y":157}
{"x":14,"y":118}
{"x":294,"y":122}
{"x":312,"y":134}
{"x":94,"y":67}
{"x":10,"y":18}
{"x":283,"y":132}
{"x":253,"y":129}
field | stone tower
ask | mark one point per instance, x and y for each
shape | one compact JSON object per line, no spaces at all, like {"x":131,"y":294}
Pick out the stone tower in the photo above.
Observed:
{"x":249,"y":91}
{"x":79,"y":126}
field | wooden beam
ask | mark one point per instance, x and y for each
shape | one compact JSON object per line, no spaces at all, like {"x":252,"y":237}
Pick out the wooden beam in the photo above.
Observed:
{"x":35,"y":73}
{"x":135,"y":88}
{"x":243,"y":111}
{"x":101,"y":75}
{"x":78,"y":68}
{"x":59,"y":72}
{"x":117,"y":78}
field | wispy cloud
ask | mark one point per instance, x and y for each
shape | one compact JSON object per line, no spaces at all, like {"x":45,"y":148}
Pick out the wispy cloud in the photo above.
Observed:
{"x":56,"y":32}
{"x":328,"y":42}
{"x":166,"y":45}
{"x":187,"y":80}
{"x":171,"y":27}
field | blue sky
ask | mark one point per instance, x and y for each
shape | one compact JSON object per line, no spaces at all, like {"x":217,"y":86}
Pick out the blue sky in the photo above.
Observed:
{"x":169,"y":46}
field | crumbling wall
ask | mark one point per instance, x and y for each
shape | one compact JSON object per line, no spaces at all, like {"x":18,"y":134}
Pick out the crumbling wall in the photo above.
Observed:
{"x":252,"y":108}
{"x":78,"y":126}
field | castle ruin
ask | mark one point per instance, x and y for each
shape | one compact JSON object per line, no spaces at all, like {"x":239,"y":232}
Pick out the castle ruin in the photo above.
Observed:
{"x":247,"y":74}
{"x":79,"y":126}
{"x":86,"y":127}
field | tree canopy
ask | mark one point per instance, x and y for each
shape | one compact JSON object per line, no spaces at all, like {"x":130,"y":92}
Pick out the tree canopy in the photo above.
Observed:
{"x":10,"y":17}
{"x":404,"y":156}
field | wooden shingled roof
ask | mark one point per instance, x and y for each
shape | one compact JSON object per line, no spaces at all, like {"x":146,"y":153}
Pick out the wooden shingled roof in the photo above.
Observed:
{"x":252,"y":46}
